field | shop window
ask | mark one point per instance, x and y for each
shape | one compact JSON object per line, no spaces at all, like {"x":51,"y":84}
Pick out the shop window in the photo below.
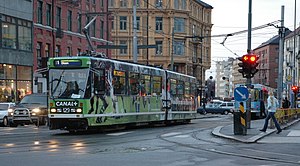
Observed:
{"x":7,"y":91}
{"x":24,"y":73}
{"x":7,"y":71}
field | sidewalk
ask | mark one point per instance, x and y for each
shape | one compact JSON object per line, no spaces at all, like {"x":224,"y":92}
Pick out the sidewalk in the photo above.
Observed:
{"x":253,"y":134}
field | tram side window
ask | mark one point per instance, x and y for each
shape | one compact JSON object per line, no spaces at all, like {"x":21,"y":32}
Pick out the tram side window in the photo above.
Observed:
{"x":145,"y":85}
{"x":187,"y":89}
{"x":194,"y":91}
{"x":173,"y":86}
{"x":118,"y":82}
{"x":134,"y":83}
{"x":180,"y":88}
{"x":99,"y":82}
{"x":255,"y":94}
{"x":156,"y":86}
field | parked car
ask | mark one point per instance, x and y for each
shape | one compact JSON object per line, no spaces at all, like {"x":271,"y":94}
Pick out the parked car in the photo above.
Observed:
{"x":214,"y":109}
{"x":4,"y":113}
{"x":32,"y":109}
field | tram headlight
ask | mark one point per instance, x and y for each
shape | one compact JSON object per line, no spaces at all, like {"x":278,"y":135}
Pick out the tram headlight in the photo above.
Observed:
{"x":78,"y":110}
{"x":52,"y":110}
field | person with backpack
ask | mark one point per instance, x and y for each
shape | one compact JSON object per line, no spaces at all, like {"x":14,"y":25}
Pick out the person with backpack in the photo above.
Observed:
{"x":272,"y":106}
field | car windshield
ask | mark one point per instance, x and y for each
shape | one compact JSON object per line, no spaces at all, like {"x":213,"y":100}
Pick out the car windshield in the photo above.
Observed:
{"x":3,"y":107}
{"x":70,"y":83}
{"x":34,"y":100}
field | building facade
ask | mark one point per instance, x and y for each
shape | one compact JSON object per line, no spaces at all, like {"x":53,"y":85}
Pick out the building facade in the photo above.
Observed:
{"x":268,"y":53}
{"x":291,"y":63}
{"x":58,"y":31}
{"x":180,"y":30}
{"x":16,"y":40}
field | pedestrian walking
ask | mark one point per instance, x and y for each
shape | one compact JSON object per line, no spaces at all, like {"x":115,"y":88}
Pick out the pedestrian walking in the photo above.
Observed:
{"x":272,"y":106}
{"x":286,"y":103}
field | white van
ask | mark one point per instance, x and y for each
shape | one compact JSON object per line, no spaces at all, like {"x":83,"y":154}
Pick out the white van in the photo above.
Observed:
{"x":228,"y":104}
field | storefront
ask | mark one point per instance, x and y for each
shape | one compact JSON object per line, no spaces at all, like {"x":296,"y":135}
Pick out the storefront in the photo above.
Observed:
{"x":15,"y":82}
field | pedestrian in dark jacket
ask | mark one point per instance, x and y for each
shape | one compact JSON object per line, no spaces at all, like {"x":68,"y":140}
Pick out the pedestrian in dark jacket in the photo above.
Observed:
{"x":286,"y":103}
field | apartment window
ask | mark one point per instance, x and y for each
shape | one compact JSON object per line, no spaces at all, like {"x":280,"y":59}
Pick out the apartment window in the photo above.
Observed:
{"x":178,"y":47}
{"x":47,"y":50}
{"x":48,"y":15}
{"x":40,"y":12}
{"x":183,"y":4}
{"x":69,"y":20}
{"x":123,"y":43}
{"x":158,"y":3}
{"x":101,"y":29}
{"x":38,"y":50}
{"x":159,"y":48}
{"x":9,"y":35}
{"x":58,"y":17}
{"x":69,"y":51}
{"x":111,"y":3}
{"x":123,"y":3}
{"x":112,"y":22}
{"x":93,"y":29}
{"x":158,"y":23}
{"x":138,"y":3}
{"x":179,"y":24}
{"x":24,"y":35}
{"x":78,"y":51}
{"x":79,"y":23}
{"x":123,"y":22}
{"x":101,"y":3}
{"x":176,"y":4}
{"x":57,"y":50}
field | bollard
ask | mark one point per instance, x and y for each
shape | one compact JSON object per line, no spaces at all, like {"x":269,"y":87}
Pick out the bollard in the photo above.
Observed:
{"x":239,"y":119}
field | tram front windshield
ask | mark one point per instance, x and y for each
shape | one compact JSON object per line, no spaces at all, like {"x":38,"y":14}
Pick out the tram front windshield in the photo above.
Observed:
{"x":68,"y":83}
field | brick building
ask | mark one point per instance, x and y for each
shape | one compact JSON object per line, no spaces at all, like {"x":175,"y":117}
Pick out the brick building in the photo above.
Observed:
{"x":58,"y":28}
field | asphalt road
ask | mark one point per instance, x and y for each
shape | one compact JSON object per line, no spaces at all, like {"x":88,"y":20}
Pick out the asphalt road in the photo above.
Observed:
{"x":177,"y":145}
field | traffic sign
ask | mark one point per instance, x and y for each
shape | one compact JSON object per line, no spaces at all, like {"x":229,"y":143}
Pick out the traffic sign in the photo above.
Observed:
{"x":241,"y":94}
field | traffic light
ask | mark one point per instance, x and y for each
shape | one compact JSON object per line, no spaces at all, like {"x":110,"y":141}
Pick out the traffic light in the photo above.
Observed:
{"x":295,"y":89}
{"x":249,"y":64}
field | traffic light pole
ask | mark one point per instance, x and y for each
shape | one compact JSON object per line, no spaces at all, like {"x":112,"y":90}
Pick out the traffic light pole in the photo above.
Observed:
{"x":248,"y":110}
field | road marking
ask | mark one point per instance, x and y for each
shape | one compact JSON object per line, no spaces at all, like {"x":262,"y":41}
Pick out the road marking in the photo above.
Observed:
{"x":171,"y":134}
{"x":294,"y":133}
{"x":182,"y":136}
{"x":117,"y":134}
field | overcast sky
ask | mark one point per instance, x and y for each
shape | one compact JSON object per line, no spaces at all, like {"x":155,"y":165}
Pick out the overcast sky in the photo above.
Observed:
{"x":229,"y":16}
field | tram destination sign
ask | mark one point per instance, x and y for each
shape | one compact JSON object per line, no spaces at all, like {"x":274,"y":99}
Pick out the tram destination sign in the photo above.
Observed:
{"x":67,"y":62}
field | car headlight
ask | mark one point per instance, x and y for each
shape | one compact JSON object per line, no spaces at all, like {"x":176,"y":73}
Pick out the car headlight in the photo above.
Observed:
{"x":10,"y":110}
{"x":36,"y":110}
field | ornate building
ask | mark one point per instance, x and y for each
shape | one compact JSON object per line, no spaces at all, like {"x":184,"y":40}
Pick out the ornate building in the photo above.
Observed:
{"x":179,"y":30}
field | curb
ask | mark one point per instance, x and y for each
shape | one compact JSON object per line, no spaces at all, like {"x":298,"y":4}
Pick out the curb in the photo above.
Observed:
{"x":255,"y":138}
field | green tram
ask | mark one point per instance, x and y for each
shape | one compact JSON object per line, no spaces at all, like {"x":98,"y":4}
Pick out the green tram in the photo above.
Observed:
{"x":92,"y":92}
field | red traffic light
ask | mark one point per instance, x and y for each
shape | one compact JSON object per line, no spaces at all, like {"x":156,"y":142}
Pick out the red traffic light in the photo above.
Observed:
{"x":250,"y":58}
{"x":295,"y":88}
